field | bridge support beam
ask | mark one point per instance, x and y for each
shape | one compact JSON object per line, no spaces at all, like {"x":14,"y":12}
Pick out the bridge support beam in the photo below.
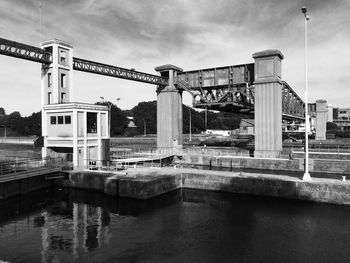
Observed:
{"x":268,"y":104}
{"x":169,"y":111}
{"x":321,"y":119}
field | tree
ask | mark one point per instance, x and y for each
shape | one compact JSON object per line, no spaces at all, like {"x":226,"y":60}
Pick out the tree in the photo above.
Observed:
{"x":146,"y":113}
{"x":14,"y":121}
{"x":119,"y":121}
{"x":331,"y":126}
{"x":2,"y":111}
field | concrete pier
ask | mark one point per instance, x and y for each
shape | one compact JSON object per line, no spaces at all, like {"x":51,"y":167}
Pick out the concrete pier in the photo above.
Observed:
{"x":268,"y":104}
{"x":169,"y":111}
{"x":145,"y":183}
{"x":321,"y":119}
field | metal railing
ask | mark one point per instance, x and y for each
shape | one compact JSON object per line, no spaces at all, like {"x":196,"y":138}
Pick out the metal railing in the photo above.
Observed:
{"x":21,"y":165}
{"x":124,"y":164}
{"x":216,"y":152}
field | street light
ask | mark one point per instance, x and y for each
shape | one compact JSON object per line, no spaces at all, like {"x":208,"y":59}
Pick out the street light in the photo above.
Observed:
{"x":144,"y":127}
{"x":306,"y":176}
{"x":189,"y":112}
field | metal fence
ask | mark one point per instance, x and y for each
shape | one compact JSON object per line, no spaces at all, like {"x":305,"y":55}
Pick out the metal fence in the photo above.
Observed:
{"x":20,"y":165}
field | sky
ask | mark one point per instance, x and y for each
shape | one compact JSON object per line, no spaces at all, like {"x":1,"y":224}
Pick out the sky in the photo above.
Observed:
{"x":191,"y":34}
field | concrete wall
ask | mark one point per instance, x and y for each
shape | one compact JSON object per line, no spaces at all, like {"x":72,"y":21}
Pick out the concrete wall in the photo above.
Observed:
{"x":321,"y":168}
{"x":59,"y":130}
{"x":23,"y":186}
{"x":148,"y":183}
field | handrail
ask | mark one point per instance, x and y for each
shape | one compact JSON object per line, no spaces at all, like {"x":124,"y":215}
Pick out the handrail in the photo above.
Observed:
{"x":24,"y":165}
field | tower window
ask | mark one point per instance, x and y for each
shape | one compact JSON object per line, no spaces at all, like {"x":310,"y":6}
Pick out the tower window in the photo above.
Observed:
{"x":63,"y":56}
{"x":63,"y":97}
{"x":63,"y":80}
{"x":49,"y":79}
{"x":49,"y":98}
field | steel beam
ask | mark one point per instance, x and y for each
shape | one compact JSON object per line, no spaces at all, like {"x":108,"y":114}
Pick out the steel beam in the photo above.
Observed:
{"x":117,"y":72}
{"x":23,"y":51}
{"x":214,"y":78}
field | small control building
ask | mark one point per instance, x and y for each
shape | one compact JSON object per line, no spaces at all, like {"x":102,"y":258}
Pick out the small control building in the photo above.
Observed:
{"x":77,"y":132}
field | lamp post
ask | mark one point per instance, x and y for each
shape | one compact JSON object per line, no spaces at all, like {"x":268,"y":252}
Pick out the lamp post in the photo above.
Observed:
{"x":189,"y":112}
{"x":144,"y":127}
{"x":306,"y":176}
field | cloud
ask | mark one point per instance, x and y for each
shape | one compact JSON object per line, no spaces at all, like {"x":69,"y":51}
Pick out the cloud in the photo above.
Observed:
{"x":190,"y":34}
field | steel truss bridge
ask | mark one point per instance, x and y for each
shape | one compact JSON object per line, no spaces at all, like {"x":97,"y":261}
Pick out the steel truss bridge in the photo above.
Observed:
{"x":229,"y":89}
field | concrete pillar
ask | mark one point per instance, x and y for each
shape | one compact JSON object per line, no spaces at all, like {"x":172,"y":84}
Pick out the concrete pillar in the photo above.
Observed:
{"x":56,"y":79}
{"x":321,"y":119}
{"x":330,"y":113}
{"x":268,"y":104}
{"x":169,"y":111}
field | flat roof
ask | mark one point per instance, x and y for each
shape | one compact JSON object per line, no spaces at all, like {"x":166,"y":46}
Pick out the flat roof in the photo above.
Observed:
{"x":75,"y":105}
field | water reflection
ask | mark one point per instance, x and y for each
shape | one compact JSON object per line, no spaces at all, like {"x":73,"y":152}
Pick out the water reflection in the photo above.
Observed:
{"x":196,"y":226}
{"x":73,"y":222}
{"x":84,"y":228}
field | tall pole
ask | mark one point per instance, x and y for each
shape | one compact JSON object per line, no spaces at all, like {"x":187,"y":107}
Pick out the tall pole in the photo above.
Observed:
{"x":306,"y":176}
{"x":41,"y":21}
{"x":189,"y":112}
{"x":109,"y":117}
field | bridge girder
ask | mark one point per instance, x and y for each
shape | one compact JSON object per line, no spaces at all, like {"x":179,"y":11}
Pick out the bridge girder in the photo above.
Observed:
{"x":118,"y":72}
{"x":233,"y":92}
{"x":23,"y":51}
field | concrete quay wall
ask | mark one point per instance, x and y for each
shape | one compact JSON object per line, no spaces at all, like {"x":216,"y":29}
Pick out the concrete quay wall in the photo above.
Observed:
{"x":145,"y":183}
{"x":322,"y":168}
{"x":21,"y":186}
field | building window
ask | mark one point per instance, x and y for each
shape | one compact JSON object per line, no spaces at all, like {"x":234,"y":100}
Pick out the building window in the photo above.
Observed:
{"x":69,"y":157}
{"x":49,"y":79}
{"x":63,"y":80}
{"x":63,"y":97}
{"x":49,"y":98}
{"x":60,"y":120}
{"x":67,"y":119}
{"x":91,"y":122}
{"x":63,"y":56}
{"x":53,"y":119}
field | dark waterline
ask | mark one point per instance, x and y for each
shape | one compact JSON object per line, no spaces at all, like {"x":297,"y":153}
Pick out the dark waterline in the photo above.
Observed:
{"x":183,"y":226}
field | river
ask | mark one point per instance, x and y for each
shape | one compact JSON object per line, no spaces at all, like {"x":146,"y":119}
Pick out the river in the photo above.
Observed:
{"x":65,"y":225}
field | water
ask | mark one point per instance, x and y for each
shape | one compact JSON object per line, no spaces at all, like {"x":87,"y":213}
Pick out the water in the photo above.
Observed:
{"x":183,"y":226}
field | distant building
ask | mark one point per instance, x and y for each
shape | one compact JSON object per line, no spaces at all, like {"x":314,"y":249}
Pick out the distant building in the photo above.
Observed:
{"x":343,"y":118}
{"x":131,"y":130}
{"x":218,"y":132}
{"x":131,"y":122}
{"x":246,"y":126}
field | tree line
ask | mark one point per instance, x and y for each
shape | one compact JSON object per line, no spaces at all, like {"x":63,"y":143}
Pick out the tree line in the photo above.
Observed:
{"x":144,"y":116}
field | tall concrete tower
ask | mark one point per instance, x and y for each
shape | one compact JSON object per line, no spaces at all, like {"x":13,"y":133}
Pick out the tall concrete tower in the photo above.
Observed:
{"x":56,"y":78}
